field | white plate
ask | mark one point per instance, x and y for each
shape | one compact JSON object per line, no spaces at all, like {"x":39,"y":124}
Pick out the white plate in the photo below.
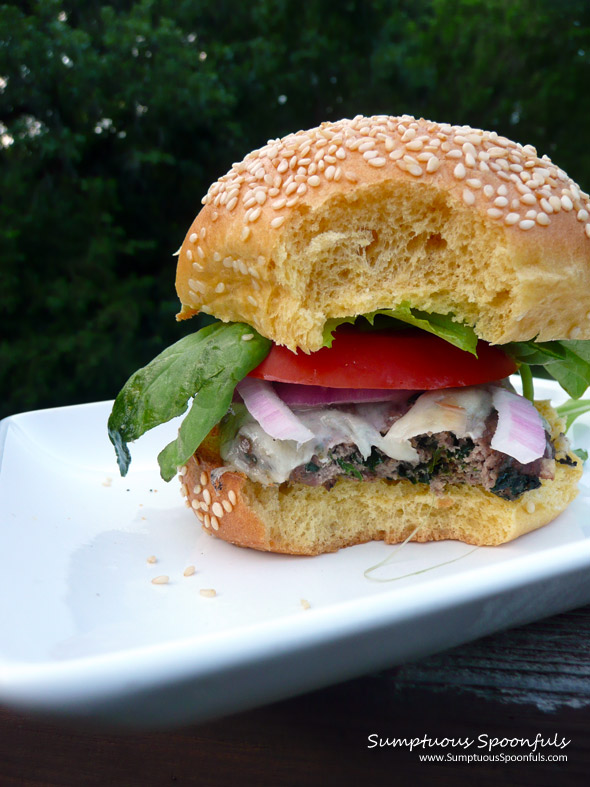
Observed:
{"x":84,"y":632}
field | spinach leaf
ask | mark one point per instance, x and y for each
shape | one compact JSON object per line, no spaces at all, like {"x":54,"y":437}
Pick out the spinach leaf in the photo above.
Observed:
{"x":572,"y":409}
{"x":568,"y":361}
{"x":441,"y":325}
{"x":207,"y":365}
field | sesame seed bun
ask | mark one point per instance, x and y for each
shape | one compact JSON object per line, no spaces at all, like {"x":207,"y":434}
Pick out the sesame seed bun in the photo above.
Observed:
{"x":366,"y":213}
{"x":303,"y":520}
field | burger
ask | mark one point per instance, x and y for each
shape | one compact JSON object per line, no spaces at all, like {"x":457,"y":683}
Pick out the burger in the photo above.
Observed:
{"x":375,"y":282}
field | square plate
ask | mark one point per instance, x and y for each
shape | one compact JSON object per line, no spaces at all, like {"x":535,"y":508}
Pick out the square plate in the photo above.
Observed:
{"x":85,"y":633}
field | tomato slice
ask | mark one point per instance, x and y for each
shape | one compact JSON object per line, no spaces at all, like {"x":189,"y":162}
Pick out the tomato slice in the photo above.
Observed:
{"x":410,"y":359}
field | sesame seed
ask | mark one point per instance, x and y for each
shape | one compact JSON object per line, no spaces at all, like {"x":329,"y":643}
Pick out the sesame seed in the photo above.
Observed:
{"x":196,"y":285}
{"x":587,"y":230}
{"x":189,"y":255}
{"x":276,"y":222}
{"x":217,"y":509}
{"x":232,"y":497}
{"x":488,"y":190}
{"x":252,"y":300}
{"x":189,"y":571}
{"x":247,"y":336}
{"x":246,"y":233}
{"x":208,"y":592}
{"x":220,"y":287}
{"x":494,"y":213}
{"x":183,"y":490}
{"x":253,"y":214}
{"x":526,"y":224}
{"x":555,"y":203}
{"x":214,"y":523}
{"x":203,"y":479}
{"x":163,"y":579}
{"x":433,"y":164}
{"x":207,"y":496}
{"x":195,"y":504}
{"x":197,"y":489}
{"x":305,"y":604}
{"x":474,"y":183}
{"x":381,"y":162}
{"x":468,"y":197}
{"x":566,"y":203}
{"x":199,"y":516}
{"x":511,"y":218}
{"x":415,"y":144}
{"x":313,"y":181}
{"x":530,"y":507}
{"x":582,"y":215}
{"x":227,"y":506}
{"x":207,"y":520}
{"x":546,"y":206}
{"x":500,"y":202}
{"x":151,"y":559}
{"x":193,"y":237}
{"x":528,"y":199}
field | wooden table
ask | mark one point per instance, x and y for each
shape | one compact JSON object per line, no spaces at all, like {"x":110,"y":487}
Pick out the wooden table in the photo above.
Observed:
{"x":515,"y":684}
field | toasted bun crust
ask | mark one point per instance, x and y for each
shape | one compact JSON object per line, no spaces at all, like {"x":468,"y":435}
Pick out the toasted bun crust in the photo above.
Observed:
{"x":303,"y":520}
{"x":366,"y":213}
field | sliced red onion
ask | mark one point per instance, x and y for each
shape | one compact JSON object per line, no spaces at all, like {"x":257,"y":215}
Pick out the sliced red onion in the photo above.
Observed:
{"x":520,"y":432}
{"x":272,"y":414}
{"x":312,"y":395}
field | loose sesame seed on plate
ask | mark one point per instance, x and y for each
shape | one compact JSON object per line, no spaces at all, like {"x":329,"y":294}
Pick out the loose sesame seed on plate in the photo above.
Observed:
{"x":151,"y":559}
{"x":208,"y":592}
{"x":189,"y":571}
{"x":163,"y":579}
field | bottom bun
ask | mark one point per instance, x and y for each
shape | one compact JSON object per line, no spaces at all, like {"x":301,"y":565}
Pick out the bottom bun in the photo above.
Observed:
{"x":304,"y":520}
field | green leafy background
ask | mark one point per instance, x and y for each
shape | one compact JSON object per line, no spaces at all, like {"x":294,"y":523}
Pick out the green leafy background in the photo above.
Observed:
{"x":114,"y":119}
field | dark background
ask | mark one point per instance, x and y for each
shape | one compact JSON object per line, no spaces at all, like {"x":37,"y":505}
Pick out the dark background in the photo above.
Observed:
{"x":114,"y":119}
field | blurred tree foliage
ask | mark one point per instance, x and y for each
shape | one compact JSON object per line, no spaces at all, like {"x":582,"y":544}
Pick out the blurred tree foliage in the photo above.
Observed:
{"x":115,"y":117}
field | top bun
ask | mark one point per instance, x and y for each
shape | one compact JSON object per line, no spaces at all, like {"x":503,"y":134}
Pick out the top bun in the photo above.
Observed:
{"x":363,"y":214}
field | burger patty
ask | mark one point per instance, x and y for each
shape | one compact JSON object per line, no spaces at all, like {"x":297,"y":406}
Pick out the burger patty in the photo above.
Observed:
{"x":444,"y":459}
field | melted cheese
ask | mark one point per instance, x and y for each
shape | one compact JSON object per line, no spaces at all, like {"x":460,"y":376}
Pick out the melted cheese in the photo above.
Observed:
{"x":463,"y":411}
{"x":276,"y":459}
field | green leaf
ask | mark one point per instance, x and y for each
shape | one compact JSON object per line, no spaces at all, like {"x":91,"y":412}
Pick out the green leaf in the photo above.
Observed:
{"x":441,"y":325}
{"x":581,"y":453}
{"x":209,"y":363}
{"x":573,"y":409}
{"x":568,"y":362}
